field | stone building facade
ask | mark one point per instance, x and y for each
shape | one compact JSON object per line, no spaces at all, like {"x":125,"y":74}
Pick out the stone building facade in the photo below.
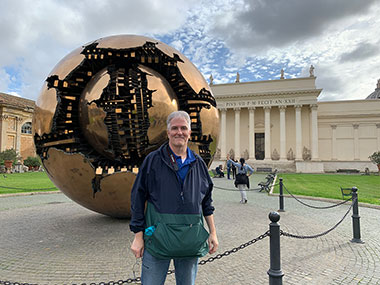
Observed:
{"x":280,"y":124}
{"x":16,"y":125}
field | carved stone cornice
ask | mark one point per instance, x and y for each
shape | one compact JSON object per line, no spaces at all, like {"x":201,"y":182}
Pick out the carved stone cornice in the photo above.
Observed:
{"x":269,"y":93}
{"x":313,"y":107}
{"x":5,"y":117}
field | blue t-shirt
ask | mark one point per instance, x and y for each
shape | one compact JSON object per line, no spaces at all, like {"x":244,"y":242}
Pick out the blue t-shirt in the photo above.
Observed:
{"x":183,"y":167}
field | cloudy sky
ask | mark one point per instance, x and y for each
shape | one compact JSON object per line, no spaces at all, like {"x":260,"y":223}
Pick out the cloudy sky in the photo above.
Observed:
{"x":256,"y":38}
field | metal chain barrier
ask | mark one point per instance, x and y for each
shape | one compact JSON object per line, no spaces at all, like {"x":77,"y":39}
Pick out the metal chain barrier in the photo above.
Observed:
{"x":232,"y":189}
{"x":235,"y":190}
{"x":321,"y":234}
{"x":235,"y":249}
{"x":316,"y":207}
{"x":138,"y":279}
{"x":31,"y":189}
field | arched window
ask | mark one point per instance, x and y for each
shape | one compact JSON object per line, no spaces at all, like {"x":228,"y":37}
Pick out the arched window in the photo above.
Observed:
{"x":26,"y":128}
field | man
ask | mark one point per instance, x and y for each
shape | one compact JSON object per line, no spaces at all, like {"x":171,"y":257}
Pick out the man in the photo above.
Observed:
{"x":229,"y":164}
{"x":175,"y":185}
{"x":219,"y":171}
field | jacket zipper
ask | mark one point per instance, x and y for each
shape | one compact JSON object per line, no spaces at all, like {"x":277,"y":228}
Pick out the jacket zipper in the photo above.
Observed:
{"x":181,"y":185}
{"x":179,"y":180}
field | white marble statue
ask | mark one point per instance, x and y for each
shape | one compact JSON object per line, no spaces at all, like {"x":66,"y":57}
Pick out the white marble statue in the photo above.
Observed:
{"x":237,"y":77}
{"x":311,"y":71}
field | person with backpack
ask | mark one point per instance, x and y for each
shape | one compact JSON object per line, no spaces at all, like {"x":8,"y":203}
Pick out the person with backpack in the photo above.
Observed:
{"x":242,"y":178}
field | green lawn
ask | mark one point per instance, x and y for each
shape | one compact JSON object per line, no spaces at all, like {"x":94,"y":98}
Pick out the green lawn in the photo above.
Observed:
{"x":317,"y":185}
{"x":25,"y":182}
{"x":328,"y":185}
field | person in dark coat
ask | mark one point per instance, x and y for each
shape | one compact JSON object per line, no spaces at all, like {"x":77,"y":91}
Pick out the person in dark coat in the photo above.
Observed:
{"x":219,"y":171}
{"x":172,"y":191}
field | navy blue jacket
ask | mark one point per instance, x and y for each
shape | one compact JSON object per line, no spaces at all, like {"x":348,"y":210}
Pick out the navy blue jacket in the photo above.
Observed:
{"x":158,"y":183}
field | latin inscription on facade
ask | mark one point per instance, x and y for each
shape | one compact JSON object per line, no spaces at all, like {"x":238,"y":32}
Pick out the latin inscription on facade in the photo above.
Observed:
{"x":263,"y":102}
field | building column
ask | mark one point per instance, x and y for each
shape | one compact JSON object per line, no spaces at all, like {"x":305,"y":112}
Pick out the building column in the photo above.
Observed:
{"x":223,"y":150}
{"x":251,"y":133}
{"x":267,"y":133}
{"x":356,"y":141}
{"x":282,"y":133}
{"x":378,"y":136}
{"x":18,"y":134}
{"x":333,"y":143}
{"x":298,"y":132}
{"x":3,"y":135}
{"x":314,"y":132}
{"x":237,"y":133}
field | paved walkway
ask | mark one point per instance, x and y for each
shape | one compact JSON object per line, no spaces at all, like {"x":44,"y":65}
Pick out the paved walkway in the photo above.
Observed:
{"x":48,"y":239}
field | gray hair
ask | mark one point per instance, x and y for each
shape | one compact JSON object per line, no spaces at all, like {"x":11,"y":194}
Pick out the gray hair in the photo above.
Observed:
{"x":178,"y":114}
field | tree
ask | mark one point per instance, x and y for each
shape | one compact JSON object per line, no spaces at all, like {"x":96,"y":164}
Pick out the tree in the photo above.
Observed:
{"x":375,"y":158}
{"x":8,"y":158}
{"x":32,"y":162}
{"x":8,"y":154}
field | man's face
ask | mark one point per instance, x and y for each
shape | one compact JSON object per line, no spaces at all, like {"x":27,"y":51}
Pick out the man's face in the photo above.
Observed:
{"x":179,"y":132}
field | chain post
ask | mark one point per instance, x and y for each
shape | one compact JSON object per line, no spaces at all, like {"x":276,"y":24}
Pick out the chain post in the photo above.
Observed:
{"x":281,"y":197}
{"x":274,"y":272}
{"x":355,"y":216}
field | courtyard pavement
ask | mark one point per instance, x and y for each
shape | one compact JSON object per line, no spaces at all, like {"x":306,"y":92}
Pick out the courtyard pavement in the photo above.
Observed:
{"x":48,"y":239}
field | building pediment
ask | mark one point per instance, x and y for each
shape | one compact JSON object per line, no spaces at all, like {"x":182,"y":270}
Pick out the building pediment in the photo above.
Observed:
{"x":283,"y":92}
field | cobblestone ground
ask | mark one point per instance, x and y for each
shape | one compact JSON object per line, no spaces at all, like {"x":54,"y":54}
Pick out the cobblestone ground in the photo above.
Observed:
{"x":48,"y":239}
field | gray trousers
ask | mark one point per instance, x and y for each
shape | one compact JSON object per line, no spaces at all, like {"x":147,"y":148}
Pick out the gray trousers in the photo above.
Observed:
{"x":243,"y":193}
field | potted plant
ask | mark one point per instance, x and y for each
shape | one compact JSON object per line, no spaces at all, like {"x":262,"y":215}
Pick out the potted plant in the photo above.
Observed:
{"x":9,"y":157}
{"x":32,"y":162}
{"x":375,"y":158}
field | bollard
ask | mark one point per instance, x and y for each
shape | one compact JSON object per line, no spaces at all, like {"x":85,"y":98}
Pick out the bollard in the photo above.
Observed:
{"x":355,"y":217}
{"x":281,"y":197}
{"x":274,"y":272}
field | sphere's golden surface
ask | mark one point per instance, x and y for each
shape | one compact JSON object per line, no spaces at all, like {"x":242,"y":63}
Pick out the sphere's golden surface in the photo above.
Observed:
{"x":103,"y":108}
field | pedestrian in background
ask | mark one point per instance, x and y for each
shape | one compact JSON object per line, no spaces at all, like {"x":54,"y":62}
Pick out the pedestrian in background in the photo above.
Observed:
{"x":233,"y":168}
{"x":229,"y":166}
{"x":242,"y":178}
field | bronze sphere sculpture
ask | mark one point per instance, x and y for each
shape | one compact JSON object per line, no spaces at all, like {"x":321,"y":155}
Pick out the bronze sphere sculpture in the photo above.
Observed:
{"x":103,"y":108}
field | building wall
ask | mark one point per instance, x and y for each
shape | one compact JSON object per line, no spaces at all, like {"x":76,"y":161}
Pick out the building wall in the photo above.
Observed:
{"x":347,"y":131}
{"x":357,"y":127}
{"x":11,"y":121}
{"x":27,"y":146}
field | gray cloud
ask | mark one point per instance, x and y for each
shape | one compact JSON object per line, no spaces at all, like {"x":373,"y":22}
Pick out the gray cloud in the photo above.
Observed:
{"x":38,"y":33}
{"x":277,"y":23}
{"x":364,"y":51}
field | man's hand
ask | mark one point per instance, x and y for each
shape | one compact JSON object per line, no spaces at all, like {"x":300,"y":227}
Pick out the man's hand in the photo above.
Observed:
{"x":137,"y":246}
{"x":212,"y":238}
{"x":212,"y":243}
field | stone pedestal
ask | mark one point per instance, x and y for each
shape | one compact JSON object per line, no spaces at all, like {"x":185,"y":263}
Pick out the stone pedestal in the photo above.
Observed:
{"x":309,"y":167}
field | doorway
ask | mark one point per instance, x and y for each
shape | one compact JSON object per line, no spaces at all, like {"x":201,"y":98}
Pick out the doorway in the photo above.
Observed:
{"x":260,"y":146}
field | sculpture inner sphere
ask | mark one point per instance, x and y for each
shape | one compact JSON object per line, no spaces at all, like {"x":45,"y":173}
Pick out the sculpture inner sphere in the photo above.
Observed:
{"x":103,"y":108}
